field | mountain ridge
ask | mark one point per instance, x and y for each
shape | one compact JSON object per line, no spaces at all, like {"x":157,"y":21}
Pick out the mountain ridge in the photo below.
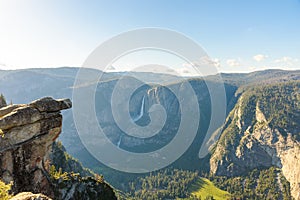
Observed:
{"x":58,"y":83}
{"x":258,"y":134}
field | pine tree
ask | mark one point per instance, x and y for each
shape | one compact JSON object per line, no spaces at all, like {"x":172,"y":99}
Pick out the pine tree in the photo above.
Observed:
{"x":2,"y":101}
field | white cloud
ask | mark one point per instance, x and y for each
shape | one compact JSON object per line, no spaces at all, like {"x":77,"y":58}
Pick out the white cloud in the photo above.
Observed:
{"x":233,"y":63}
{"x":253,"y":68}
{"x":186,"y":71}
{"x":287,"y":60}
{"x":216,"y":62}
{"x":202,"y":66}
{"x":260,"y":57}
{"x":211,"y":61}
{"x":187,"y":64}
{"x":205,"y":60}
{"x":4,"y":66}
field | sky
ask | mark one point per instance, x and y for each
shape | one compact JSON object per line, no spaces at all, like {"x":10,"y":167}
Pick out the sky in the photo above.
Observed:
{"x":239,"y":36}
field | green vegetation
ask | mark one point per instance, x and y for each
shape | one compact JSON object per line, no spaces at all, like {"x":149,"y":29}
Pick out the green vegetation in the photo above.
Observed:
{"x":258,"y":184}
{"x":280,"y":104}
{"x":283,"y":112}
{"x":58,"y":174}
{"x":67,"y":174}
{"x":2,"y":101}
{"x":84,"y":187}
{"x":205,"y":189}
{"x":4,"y":191}
{"x":164,"y":184}
{"x":175,"y":184}
{"x":61,"y":159}
{"x":68,"y":167}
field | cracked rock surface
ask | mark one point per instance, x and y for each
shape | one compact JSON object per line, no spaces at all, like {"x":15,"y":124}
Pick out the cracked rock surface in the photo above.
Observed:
{"x":27,"y":134}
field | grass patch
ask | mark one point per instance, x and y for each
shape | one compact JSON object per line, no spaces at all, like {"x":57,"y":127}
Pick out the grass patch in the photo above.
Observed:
{"x":204,"y":188}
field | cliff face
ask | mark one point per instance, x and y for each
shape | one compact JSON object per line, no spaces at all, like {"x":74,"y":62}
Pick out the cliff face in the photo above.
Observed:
{"x":27,"y":134}
{"x":262,"y":131}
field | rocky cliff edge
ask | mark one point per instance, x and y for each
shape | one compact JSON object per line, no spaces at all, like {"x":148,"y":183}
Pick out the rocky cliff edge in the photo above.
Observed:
{"x":27,"y":132}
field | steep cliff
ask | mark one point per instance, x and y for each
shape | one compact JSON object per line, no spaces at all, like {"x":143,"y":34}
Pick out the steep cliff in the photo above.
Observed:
{"x":262,"y":131}
{"x":27,"y":134}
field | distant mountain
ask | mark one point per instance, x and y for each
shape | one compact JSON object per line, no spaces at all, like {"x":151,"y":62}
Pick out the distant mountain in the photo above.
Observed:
{"x":247,"y":102}
{"x":261,"y":131}
{"x":259,"y":77}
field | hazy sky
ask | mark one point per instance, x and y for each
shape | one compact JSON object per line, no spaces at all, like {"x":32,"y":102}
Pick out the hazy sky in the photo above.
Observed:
{"x":240,"y":35}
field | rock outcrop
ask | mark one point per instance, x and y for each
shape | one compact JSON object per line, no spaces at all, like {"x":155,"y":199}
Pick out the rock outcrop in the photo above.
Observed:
{"x":30,"y":196}
{"x":27,"y":132}
{"x":262,"y":131}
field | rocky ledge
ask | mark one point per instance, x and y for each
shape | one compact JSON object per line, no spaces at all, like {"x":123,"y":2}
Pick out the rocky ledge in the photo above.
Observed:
{"x":27,"y":133}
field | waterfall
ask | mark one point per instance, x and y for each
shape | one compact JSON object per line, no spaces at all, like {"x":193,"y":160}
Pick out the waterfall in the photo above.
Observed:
{"x":119,"y":142}
{"x":141,"y":110}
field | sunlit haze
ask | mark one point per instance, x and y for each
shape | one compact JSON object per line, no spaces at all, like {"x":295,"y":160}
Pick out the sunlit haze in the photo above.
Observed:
{"x":239,"y":36}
